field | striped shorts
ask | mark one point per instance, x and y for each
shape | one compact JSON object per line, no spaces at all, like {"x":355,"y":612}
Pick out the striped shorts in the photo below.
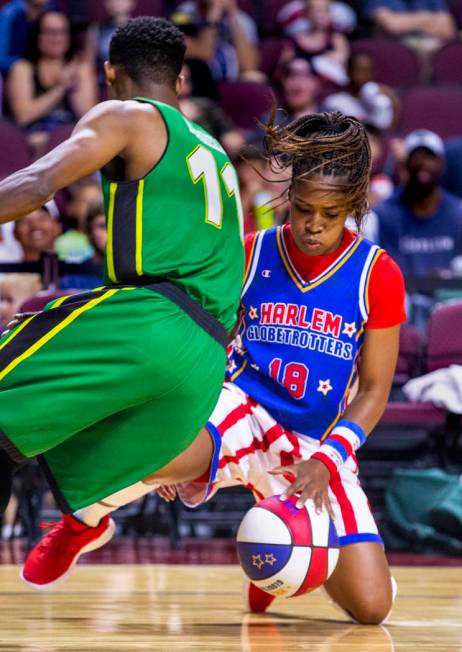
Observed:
{"x":249,"y":443}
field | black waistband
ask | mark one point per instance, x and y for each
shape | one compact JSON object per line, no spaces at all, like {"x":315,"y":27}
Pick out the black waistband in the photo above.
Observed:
{"x":171,"y":291}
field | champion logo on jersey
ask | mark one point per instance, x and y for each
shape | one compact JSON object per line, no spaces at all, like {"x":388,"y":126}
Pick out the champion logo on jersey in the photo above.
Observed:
{"x":266,"y":273}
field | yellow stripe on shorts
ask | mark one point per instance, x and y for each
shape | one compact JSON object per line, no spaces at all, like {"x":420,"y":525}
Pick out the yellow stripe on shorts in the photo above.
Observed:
{"x":54,"y":331}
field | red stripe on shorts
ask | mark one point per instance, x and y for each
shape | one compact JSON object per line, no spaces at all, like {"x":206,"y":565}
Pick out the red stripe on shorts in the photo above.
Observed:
{"x":256,"y":444}
{"x":235,"y":415}
{"x":346,"y":508}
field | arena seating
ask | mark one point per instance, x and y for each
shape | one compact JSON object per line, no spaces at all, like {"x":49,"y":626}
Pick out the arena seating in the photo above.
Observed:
{"x":244,"y":102}
{"x":438,"y":109}
{"x":446,"y":64}
{"x":395,"y":65}
{"x":15,"y":152}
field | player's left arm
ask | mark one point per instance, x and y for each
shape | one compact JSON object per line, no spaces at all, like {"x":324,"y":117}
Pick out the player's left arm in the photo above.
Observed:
{"x":377,"y":366}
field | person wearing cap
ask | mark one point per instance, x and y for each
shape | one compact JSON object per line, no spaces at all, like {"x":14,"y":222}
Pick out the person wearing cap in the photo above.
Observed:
{"x":420,"y":225}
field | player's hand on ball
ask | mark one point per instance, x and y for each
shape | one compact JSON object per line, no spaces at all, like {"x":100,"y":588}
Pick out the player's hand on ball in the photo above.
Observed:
{"x":167,"y":492}
{"x":312,"y":481}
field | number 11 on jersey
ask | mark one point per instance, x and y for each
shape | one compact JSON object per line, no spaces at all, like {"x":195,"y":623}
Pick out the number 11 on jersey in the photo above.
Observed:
{"x":203,"y":167}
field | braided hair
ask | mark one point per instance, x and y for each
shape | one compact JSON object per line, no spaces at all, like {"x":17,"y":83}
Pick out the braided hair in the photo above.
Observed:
{"x":328,"y":144}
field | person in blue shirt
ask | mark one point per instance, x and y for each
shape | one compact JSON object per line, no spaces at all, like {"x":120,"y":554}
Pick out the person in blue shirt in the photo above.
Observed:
{"x":16,"y":19}
{"x":428,"y":18}
{"x":420,"y":225}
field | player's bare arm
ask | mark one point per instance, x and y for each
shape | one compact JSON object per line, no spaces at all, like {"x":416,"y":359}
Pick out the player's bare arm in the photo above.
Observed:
{"x":378,"y":361}
{"x":108,"y":137}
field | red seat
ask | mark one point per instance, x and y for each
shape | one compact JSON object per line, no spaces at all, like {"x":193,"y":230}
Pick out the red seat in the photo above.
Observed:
{"x":438,"y":109}
{"x":447,"y":64}
{"x":444,"y":343}
{"x":15,"y":152}
{"x":59,"y":135}
{"x":394,"y":64}
{"x":410,"y":352}
{"x":425,"y":415}
{"x":38,"y":303}
{"x":270,"y":53}
{"x":245,"y":102}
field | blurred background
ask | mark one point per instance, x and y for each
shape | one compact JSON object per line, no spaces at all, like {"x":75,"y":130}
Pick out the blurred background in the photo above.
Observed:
{"x":394,"y":64}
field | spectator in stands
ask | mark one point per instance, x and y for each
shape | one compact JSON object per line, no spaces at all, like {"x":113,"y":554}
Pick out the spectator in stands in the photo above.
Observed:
{"x":74,"y":245}
{"x":16,"y":19}
{"x":98,"y":37}
{"x":364,"y":98}
{"x":36,"y":233}
{"x":210,"y":116}
{"x":218,"y":32}
{"x":10,"y":249}
{"x":421,"y":224}
{"x":51,"y":86}
{"x":263,"y":190}
{"x":292,"y":18}
{"x":320,"y":42}
{"x":14,"y":290}
{"x":95,"y":227}
{"x":429,"y":20}
{"x":299,"y":89}
{"x":452,"y":178}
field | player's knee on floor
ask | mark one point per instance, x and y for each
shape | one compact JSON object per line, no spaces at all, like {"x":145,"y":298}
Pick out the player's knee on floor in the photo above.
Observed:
{"x":373,"y":609}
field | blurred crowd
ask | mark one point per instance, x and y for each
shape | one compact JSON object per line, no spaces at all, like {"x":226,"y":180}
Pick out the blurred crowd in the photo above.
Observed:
{"x":394,"y":64}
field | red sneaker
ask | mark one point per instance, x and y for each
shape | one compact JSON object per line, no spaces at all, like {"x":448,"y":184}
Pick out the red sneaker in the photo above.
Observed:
{"x":59,"y":550}
{"x":257,"y":601}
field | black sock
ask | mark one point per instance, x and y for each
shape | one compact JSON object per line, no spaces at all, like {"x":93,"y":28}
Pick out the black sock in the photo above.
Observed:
{"x":7,"y":468}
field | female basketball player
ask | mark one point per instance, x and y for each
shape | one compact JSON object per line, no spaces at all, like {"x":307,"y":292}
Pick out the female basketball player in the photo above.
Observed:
{"x":298,"y":401}
{"x":313,"y":360}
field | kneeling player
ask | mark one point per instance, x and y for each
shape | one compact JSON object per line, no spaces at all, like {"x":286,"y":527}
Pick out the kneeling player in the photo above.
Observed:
{"x":298,"y":402}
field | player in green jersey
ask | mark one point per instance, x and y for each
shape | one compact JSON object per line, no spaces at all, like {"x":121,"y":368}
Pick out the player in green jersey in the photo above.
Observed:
{"x":113,"y":386}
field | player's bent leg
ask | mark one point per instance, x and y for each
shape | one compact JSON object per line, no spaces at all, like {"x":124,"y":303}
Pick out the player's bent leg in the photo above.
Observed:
{"x":361,"y":583}
{"x":189,"y":465}
{"x":90,"y":528}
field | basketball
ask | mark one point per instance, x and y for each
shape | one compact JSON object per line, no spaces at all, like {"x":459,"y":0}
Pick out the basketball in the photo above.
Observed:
{"x":287,"y":551}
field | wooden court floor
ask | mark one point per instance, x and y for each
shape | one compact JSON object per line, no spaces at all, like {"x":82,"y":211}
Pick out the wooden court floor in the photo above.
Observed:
{"x":198,"y":608}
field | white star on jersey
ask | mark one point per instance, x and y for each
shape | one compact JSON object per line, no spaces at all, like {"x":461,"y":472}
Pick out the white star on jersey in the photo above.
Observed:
{"x":324,"y":386}
{"x":349,"y":329}
{"x":232,"y":366}
{"x":253,"y":313}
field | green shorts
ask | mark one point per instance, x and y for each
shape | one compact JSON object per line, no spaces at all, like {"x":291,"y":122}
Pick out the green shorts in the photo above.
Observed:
{"x":106,"y":387}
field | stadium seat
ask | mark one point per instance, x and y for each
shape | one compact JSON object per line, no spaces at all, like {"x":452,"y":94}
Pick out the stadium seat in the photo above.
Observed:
{"x":395,"y":65}
{"x":245,"y":102}
{"x":59,"y":135}
{"x":438,"y":109}
{"x":447,"y":64}
{"x":270,"y":53}
{"x":444,"y":343}
{"x":410,"y":352}
{"x":37,"y":303}
{"x":15,"y":152}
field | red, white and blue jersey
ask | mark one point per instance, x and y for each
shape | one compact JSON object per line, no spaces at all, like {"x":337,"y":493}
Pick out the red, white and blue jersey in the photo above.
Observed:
{"x":297,"y":345}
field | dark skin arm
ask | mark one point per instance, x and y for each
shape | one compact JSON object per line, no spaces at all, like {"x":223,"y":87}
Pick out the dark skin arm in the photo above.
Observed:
{"x":111,"y":137}
{"x":378,"y":361}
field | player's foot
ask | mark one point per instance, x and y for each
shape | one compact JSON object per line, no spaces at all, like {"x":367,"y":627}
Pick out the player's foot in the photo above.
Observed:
{"x":57,"y":553}
{"x":257,"y":601}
